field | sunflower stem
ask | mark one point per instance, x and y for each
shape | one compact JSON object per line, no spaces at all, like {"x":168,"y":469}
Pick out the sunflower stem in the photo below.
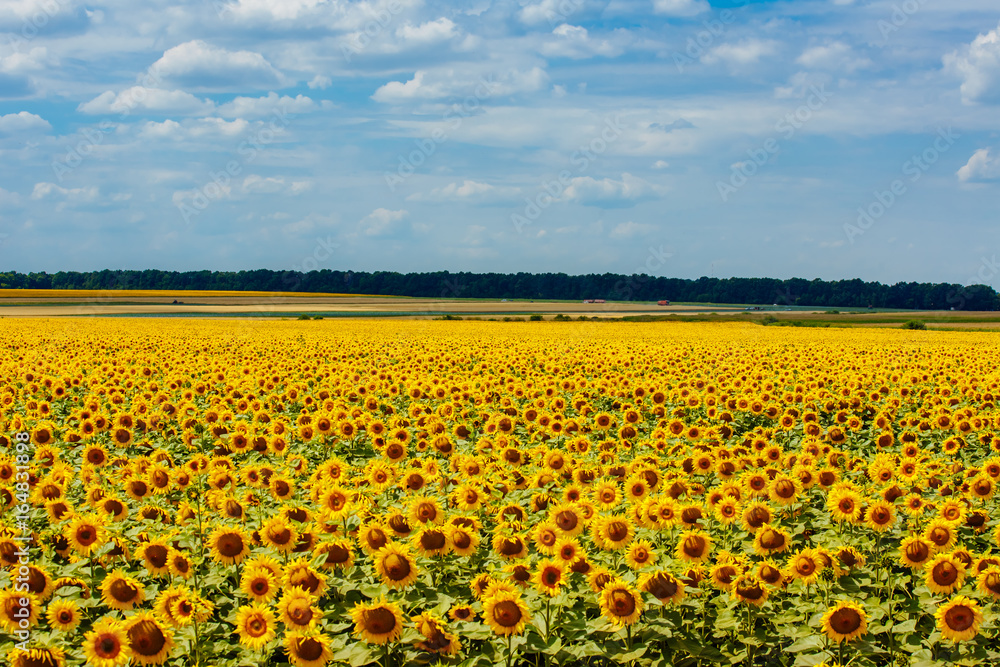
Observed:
{"x":510,"y":651}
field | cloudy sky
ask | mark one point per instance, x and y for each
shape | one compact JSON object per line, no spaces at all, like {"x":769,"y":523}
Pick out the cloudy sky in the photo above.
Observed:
{"x":815,"y":138}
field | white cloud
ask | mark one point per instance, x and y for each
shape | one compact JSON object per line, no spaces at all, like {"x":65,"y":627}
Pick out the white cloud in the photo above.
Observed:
{"x":382,"y":222}
{"x":321,"y":82}
{"x":202,"y":128}
{"x":255,"y":107}
{"x":834,"y":56}
{"x":199,"y":64}
{"x":549,"y":10}
{"x":982,"y":166}
{"x":34,"y":60}
{"x":627,"y":230}
{"x":430,"y":32}
{"x":76,"y":195}
{"x":22,"y":122}
{"x":609,"y":193}
{"x":468,"y":190}
{"x":139,"y":98}
{"x":680,"y":7}
{"x":978,"y":65}
{"x":744,"y":52}
{"x":661,"y":164}
{"x":448,"y":83}
{"x":573,"y":41}
{"x":273,"y":185}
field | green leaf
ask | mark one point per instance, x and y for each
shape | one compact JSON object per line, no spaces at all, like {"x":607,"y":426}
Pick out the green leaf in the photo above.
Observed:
{"x":810,"y":643}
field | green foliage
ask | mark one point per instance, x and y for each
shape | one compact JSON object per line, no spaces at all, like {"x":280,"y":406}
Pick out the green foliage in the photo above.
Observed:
{"x":915,"y":325}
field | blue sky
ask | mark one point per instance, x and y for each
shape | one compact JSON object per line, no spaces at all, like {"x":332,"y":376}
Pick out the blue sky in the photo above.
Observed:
{"x":816,"y":139}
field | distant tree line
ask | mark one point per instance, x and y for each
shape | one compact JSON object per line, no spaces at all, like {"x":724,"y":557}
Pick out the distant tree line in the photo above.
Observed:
{"x":611,"y":286}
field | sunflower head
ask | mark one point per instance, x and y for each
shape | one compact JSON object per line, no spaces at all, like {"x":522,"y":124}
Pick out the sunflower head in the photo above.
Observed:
{"x":378,"y":622}
{"x":845,"y":621}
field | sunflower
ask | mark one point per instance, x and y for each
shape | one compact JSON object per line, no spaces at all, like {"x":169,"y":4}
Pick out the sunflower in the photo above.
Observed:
{"x":279,"y":534}
{"x":755,"y":515}
{"x":300,"y":574}
{"x":155,"y":555}
{"x":372,"y":537}
{"x":396,"y":567}
{"x":549,"y":576}
{"x":748,"y":589}
{"x":769,"y":572}
{"x":463,"y":540}
{"x":461,"y":612}
{"x":915,"y":551}
{"x":845,"y":621}
{"x":723,"y":574}
{"x":844,"y":505}
{"x":510,"y":547}
{"x":959,"y":618}
{"x":229,"y":545}
{"x":106,"y":645}
{"x":805,"y":566}
{"x":567,"y":518}
{"x":431,"y":541}
{"x":941,"y":533}
{"x":378,"y":622}
{"x":339,"y":554}
{"x":727,"y":510}
{"x":37,"y":657}
{"x":693,"y":546}
{"x":18,"y":610}
{"x":151,"y":642}
{"x":880,"y":516}
{"x":988,"y":582}
{"x":255,"y":625}
{"x":437,"y":639}
{"x":506,"y":613}
{"x":297,"y":611}
{"x":122,"y":592}
{"x":545,"y":535}
{"x":258,"y":583}
{"x":63,"y":615}
{"x":664,"y":586}
{"x":620,"y":604}
{"x":784,"y":489}
{"x":85,"y":533}
{"x":771,"y":540}
{"x":943,"y":574}
{"x":307,"y":649}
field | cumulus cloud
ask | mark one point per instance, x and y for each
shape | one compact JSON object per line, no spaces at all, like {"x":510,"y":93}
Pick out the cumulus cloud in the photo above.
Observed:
{"x":443,"y":84}
{"x":572,"y":41}
{"x":321,"y":82}
{"x":468,"y":190}
{"x":744,"y":52}
{"x":982,"y":166}
{"x":680,"y":7}
{"x":609,"y":193}
{"x":382,"y":222}
{"x":22,"y":122}
{"x":142,"y":99}
{"x":255,"y":107}
{"x":430,"y":32}
{"x":978,"y":65}
{"x":34,"y":60}
{"x":197,"y":64}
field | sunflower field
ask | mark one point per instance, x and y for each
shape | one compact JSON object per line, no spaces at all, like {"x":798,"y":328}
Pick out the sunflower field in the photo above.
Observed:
{"x":225,"y":493}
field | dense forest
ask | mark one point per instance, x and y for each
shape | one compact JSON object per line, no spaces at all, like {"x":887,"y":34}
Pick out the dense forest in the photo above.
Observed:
{"x":610,"y":286}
